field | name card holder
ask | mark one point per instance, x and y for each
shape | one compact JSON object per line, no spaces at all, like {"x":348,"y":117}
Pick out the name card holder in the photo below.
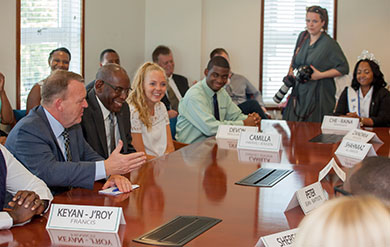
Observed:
{"x":309,"y":198}
{"x":356,"y":150}
{"x":359,"y":135}
{"x":233,"y":132}
{"x":260,"y":141}
{"x":338,"y":125}
{"x":285,"y":238}
{"x":332,"y":164}
{"x":85,"y":218}
{"x":347,"y":161}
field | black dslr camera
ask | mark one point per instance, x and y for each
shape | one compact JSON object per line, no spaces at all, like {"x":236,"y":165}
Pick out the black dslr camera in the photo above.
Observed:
{"x":302,"y":75}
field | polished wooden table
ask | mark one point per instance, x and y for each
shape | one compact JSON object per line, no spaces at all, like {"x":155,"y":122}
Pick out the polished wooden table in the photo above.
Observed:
{"x":199,"y":180}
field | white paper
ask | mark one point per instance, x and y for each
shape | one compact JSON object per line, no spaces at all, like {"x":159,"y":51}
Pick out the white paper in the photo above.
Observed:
{"x":115,"y":191}
{"x":359,"y":135}
{"x":356,"y":150}
{"x":259,"y":141}
{"x":309,"y":198}
{"x":232,"y":131}
{"x":332,"y":164}
{"x":338,"y":125}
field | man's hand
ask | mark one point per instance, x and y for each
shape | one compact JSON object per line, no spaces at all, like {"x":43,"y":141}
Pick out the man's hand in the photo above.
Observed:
{"x":25,"y":204}
{"x":253,"y":119}
{"x":123,"y":183}
{"x":118,"y":163}
{"x":172,"y":113}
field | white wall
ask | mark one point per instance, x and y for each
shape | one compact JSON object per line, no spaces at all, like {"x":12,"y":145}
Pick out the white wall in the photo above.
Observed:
{"x":178,"y":25}
{"x":8,"y":47}
{"x":119,"y":25}
{"x":365,"y":25}
{"x":192,"y":28}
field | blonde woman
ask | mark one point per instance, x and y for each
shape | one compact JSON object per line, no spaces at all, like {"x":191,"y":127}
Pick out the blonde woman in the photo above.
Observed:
{"x":148,"y":115}
{"x":359,"y":221}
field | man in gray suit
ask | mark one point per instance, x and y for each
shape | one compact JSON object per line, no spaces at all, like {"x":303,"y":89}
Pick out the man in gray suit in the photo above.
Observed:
{"x":107,"y":118}
{"x":50,"y":143}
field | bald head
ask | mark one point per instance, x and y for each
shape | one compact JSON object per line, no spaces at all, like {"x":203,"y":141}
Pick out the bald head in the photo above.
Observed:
{"x":371,"y":176}
{"x":112,"y":86}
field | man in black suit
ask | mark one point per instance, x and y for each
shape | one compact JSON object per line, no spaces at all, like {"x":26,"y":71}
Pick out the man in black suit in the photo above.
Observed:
{"x":107,"y":118}
{"x":177,"y":84}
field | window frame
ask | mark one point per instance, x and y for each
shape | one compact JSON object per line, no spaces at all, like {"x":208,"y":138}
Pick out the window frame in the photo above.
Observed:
{"x":262,"y":43}
{"x":18,"y":46}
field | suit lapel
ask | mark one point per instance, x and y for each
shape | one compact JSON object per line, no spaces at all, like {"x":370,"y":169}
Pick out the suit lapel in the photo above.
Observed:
{"x":122,"y":133}
{"x":98,"y":120}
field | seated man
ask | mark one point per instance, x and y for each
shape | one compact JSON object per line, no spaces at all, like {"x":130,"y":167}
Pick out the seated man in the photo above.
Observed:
{"x":371,"y":176}
{"x":50,"y":143}
{"x":177,"y":84}
{"x":207,"y":105}
{"x":30,"y":194}
{"x":106,"y":56}
{"x":243,"y":93}
{"x":106,"y":120}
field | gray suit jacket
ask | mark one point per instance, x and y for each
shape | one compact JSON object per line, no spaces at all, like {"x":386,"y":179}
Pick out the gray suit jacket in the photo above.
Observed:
{"x":95,"y":132}
{"x":33,"y":143}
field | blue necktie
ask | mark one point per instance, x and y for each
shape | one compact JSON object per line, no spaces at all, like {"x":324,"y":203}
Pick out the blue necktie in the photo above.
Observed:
{"x":216,"y":108}
{"x":3,"y":178}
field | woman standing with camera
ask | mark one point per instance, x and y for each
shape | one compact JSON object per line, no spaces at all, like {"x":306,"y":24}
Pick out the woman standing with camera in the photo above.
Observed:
{"x":312,"y":99}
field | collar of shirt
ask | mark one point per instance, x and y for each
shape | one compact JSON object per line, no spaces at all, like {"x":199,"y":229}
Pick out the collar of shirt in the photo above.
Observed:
{"x":104,"y":110}
{"x":54,"y":124}
{"x":210,"y":93}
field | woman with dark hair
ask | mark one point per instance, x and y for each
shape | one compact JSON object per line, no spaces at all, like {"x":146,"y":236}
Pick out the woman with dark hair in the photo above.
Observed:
{"x":315,"y":50}
{"x":366,"y":98}
{"x":58,"y":59}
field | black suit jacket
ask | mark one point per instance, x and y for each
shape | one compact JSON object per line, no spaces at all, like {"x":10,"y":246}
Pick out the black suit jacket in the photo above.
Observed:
{"x":95,"y":132}
{"x":182,"y":84}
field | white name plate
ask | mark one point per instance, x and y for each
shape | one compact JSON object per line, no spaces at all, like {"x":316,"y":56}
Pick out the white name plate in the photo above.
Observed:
{"x":359,"y":135}
{"x":356,"y":150}
{"x":285,"y":238}
{"x":309,"y":198}
{"x":76,"y":238}
{"x":232,"y":131}
{"x":85,"y":218}
{"x":347,"y":161}
{"x":332,"y":164}
{"x":227,"y":143}
{"x":338,"y":125}
{"x":259,"y":141}
{"x":258,"y":156}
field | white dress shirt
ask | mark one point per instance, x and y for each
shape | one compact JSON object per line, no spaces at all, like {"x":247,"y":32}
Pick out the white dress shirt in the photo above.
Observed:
{"x":365,"y":103}
{"x":19,"y":178}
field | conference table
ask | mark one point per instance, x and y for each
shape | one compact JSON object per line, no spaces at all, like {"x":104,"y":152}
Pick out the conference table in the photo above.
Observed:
{"x":199,"y":179}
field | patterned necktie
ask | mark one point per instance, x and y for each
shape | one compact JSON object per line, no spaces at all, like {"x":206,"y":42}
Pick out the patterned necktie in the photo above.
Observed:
{"x":173,"y":100}
{"x":112,"y":131}
{"x":65,"y":134}
{"x":216,"y":108}
{"x":3,"y":179}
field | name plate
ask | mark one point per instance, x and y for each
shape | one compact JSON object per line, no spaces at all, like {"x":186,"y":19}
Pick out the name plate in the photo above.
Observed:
{"x":259,"y":141}
{"x":85,"y":218}
{"x":227,"y":144}
{"x":258,"y":156}
{"x":359,"y":135}
{"x":309,"y":198}
{"x":332,"y":164}
{"x":76,"y":238}
{"x":233,"y":132}
{"x":285,"y":238}
{"x":356,"y":150}
{"x":338,"y":125}
{"x":347,"y":161}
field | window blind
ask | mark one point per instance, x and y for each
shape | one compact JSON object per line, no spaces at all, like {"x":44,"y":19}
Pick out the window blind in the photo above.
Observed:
{"x":46,"y":25}
{"x":283,"y":22}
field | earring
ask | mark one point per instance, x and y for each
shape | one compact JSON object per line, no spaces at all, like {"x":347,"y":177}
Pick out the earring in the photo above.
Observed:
{"x":322,"y":30}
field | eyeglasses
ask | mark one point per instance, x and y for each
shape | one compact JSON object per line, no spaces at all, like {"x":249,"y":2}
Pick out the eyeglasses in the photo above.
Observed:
{"x":118,"y":90}
{"x":339,"y":189}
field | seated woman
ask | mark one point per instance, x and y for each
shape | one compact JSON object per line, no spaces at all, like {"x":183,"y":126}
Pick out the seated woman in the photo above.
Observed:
{"x":346,"y":221}
{"x":148,"y":115}
{"x":58,"y":59}
{"x":367,"y":98}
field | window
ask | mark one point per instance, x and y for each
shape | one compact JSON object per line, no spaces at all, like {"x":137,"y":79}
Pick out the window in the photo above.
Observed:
{"x":46,"y":25}
{"x":283,"y":20}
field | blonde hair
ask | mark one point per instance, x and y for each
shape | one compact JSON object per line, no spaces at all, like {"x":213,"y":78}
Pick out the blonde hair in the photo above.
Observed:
{"x":359,"y":221}
{"x":137,"y":96}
